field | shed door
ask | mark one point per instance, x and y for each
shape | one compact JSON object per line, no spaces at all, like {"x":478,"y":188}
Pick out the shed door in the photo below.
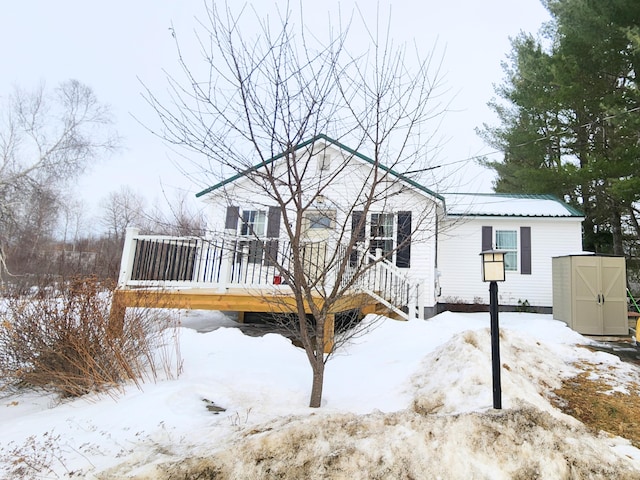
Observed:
{"x":586,"y":284}
{"x":614,"y":296}
{"x":600,"y":296}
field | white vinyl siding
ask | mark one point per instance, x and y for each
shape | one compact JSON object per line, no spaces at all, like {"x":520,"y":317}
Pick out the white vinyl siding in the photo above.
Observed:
{"x":344,"y":192}
{"x":460,"y":267}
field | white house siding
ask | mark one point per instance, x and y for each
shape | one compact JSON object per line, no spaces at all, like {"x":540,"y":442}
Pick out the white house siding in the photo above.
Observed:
{"x":459,"y":261}
{"x":342,"y":193}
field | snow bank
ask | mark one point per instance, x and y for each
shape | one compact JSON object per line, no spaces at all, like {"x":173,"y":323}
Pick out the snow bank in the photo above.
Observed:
{"x":407,"y":400}
{"x":522,"y":443}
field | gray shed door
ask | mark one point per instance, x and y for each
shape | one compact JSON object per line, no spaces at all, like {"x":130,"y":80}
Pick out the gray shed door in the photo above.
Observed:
{"x":614,"y":296}
{"x":587,"y":314}
{"x":599,"y":295}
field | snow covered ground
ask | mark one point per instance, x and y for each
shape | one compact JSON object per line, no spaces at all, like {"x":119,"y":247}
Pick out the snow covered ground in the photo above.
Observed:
{"x":408,"y":400}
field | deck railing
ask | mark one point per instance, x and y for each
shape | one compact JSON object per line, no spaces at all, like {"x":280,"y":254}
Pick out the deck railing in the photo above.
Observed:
{"x":388,"y":284}
{"x":227,"y":262}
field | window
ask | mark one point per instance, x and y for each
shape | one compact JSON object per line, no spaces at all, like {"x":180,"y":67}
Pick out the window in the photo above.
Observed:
{"x":319,"y":220}
{"x":507,"y":240}
{"x":324,"y":162}
{"x":253,"y":223}
{"x":381,"y":233}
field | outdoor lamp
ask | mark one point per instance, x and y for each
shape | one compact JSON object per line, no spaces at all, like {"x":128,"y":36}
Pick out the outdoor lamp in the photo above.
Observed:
{"x":493,"y":272}
{"x":492,"y":266}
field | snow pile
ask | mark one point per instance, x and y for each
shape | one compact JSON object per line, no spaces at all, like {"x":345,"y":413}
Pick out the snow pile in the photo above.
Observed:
{"x":464,"y":379}
{"x":408,"y":400}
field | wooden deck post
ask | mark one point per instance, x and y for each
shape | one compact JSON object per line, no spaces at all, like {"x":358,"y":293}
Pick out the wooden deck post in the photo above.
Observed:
{"x":115,"y":326}
{"x":226,"y":266}
{"x":329,"y":327}
{"x":419,"y":300}
{"x":128,"y":252}
{"x":416,"y":305}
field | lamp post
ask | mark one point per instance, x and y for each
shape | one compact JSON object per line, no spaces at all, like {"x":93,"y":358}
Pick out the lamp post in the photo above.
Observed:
{"x":493,"y":272}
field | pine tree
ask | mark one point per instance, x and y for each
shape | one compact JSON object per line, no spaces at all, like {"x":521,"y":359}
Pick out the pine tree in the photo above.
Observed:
{"x":571,"y":123}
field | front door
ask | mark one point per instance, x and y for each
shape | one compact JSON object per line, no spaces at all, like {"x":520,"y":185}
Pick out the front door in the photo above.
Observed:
{"x":318,"y":225}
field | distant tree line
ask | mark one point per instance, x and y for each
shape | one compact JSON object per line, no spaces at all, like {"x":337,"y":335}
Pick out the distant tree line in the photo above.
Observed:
{"x":48,"y":138}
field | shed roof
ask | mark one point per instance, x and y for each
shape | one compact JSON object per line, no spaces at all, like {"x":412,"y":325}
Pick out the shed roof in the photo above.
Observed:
{"x":507,"y":205}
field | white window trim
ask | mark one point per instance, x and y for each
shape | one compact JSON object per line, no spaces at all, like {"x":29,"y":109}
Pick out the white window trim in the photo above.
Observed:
{"x":515,"y":251}
{"x":394,"y":228}
{"x":251,"y":234}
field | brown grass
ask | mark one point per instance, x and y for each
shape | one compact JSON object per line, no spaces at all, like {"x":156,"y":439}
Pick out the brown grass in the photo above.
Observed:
{"x":592,"y":401}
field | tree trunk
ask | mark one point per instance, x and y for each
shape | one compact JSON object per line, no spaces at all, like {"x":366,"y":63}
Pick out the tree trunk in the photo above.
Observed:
{"x":616,"y":230}
{"x":589,"y":237}
{"x":318,"y":382}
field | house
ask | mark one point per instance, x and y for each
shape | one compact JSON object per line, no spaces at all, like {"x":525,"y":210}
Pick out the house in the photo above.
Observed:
{"x":392,"y":243}
{"x":531,"y":229}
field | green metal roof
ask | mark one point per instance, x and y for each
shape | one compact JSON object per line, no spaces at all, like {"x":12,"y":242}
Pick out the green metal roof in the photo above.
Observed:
{"x":507,"y":205}
{"x":306,"y":143}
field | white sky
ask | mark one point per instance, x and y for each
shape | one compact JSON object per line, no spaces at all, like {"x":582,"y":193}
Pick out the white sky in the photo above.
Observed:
{"x":407,"y":400}
{"x":109,"y":45}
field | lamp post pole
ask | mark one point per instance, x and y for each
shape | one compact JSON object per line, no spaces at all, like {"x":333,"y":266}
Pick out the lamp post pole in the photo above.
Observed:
{"x":495,"y":345}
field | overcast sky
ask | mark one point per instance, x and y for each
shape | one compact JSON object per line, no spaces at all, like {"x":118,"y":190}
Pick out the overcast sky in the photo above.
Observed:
{"x":111,"y":45}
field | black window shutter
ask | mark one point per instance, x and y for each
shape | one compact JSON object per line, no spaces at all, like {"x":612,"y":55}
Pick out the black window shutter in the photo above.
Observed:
{"x":357,"y":231}
{"x":231,"y":221}
{"x":356,"y":218}
{"x":525,"y":250}
{"x":273,"y":222}
{"x":273,"y":231}
{"x":487,"y":238}
{"x":403,"y":239}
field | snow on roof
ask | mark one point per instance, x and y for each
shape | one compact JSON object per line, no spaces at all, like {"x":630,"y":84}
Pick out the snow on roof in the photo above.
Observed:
{"x":511,"y":205}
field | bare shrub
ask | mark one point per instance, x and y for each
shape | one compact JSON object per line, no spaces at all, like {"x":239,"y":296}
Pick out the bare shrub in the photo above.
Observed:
{"x":63,"y":342}
{"x":34,"y":458}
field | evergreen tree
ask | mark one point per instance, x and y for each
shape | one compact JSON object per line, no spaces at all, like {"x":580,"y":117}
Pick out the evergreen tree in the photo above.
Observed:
{"x":571,"y":122}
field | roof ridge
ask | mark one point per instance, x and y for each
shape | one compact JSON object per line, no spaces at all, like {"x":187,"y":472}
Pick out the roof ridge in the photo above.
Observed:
{"x":549,"y":196}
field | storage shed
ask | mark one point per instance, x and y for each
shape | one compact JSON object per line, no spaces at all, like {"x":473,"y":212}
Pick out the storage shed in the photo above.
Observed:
{"x":590,"y":293}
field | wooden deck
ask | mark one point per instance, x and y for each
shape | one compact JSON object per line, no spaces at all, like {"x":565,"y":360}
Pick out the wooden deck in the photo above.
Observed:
{"x":237,"y":300}
{"x":222,"y":273}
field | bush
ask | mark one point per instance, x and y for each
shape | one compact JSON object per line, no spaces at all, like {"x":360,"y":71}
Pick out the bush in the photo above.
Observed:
{"x":61,"y":342}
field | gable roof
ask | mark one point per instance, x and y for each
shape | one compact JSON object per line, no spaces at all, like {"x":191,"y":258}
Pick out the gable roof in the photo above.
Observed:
{"x":306,"y":143}
{"x":507,"y":205}
{"x":456,"y":204}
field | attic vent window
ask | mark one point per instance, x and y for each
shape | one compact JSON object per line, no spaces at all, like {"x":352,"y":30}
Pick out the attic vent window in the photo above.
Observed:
{"x":324,"y":162}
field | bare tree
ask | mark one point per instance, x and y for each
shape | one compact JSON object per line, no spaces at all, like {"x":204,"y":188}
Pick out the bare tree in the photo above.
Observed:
{"x":47,"y":138}
{"x":176,"y":216}
{"x":265,"y":93}
{"x":121,"y":209}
